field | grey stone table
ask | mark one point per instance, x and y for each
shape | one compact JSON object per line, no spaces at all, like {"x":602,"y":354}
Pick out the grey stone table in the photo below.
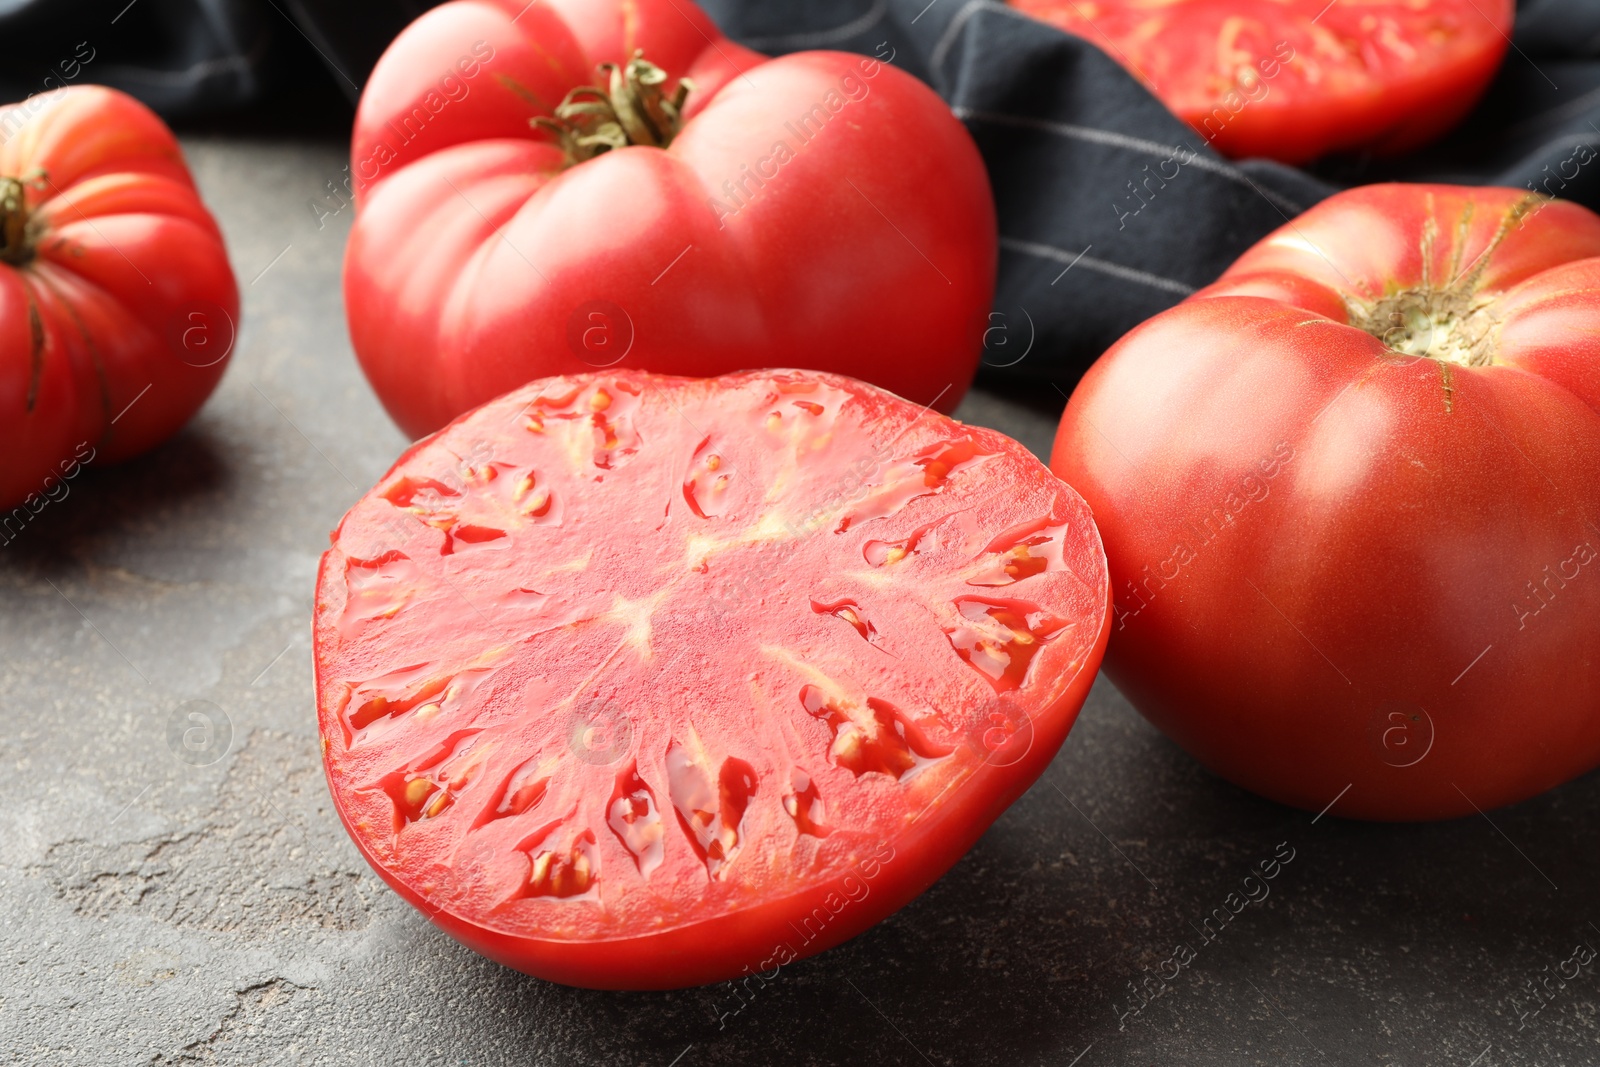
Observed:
{"x":162,"y":904}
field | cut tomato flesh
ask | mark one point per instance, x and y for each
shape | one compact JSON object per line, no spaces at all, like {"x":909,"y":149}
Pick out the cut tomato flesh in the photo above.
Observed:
{"x":620,"y":676}
{"x":1295,"y":79}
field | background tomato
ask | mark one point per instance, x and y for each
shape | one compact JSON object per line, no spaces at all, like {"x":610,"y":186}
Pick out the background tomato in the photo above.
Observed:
{"x":820,"y":210}
{"x":117,"y":304}
{"x":641,"y":682}
{"x":1296,"y":79}
{"x":1349,"y":497}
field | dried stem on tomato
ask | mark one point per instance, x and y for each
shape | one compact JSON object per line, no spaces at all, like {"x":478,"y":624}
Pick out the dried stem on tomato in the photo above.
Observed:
{"x":633,"y":110}
{"x":15,"y":246}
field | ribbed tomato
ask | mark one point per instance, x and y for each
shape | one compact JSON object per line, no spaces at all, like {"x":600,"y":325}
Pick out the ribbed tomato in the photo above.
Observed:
{"x":117,"y":304}
{"x":1296,"y":79}
{"x":631,"y":681}
{"x":689,"y":208}
{"x":1349,"y":494}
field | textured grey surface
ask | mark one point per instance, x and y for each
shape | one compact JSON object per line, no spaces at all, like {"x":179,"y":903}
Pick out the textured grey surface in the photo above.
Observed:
{"x":157,"y":911}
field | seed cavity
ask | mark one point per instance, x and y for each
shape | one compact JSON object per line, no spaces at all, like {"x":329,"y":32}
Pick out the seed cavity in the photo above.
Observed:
{"x":801,"y":425}
{"x":612,"y":407}
{"x":563,"y":872}
{"x":418,"y":688}
{"x":606,"y":413}
{"x":379,"y":698}
{"x":1000,"y":638}
{"x":422,"y":493}
{"x":888,"y":553}
{"x":850,"y":612}
{"x":804,"y":805}
{"x":430,"y":785}
{"x":705,"y":487}
{"x":878,"y":738}
{"x":938,"y":465}
{"x":472,"y":535}
{"x":636,"y":821}
{"x":521,"y":791}
{"x":895,"y":484}
{"x":710,"y":813}
{"x":502,"y":498}
{"x":376,"y":589}
{"x":1021,"y":553}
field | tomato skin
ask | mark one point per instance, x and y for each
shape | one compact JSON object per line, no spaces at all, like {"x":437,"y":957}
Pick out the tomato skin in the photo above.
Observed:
{"x":1296,"y":80}
{"x":476,"y":262}
{"x":100,"y":359}
{"x":1338,"y":565}
{"x":466,"y":865}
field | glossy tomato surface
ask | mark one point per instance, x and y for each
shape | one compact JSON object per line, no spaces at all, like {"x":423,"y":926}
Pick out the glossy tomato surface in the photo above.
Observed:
{"x":1349,"y":494}
{"x":820,"y":210}
{"x":1292,"y":80}
{"x":117,"y":304}
{"x":637,"y":682}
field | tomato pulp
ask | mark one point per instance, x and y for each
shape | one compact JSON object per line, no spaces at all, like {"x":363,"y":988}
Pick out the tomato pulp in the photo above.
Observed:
{"x":1349,"y":494}
{"x":117,"y":304}
{"x":635,"y":682}
{"x":692,"y":208}
{"x":1292,"y":80}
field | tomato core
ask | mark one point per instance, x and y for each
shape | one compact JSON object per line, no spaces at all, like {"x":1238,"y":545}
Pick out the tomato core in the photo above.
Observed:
{"x":1451,"y":325}
{"x":634,"y":110}
{"x":15,"y":246}
{"x":1446,"y":319}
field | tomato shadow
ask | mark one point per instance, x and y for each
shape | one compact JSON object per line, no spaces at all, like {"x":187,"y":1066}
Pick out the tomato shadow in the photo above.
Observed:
{"x":57,"y":528}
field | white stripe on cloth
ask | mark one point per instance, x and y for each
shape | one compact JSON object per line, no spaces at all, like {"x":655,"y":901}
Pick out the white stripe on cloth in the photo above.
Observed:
{"x":972,"y":7}
{"x":1115,"y":270}
{"x":1132,"y":144}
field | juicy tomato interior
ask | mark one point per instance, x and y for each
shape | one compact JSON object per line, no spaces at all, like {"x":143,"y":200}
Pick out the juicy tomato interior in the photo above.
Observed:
{"x":1294,"y":79}
{"x":621,"y":675}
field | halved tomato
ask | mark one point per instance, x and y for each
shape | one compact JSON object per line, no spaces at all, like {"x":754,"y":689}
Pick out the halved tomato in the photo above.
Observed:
{"x":1295,"y":79}
{"x":635,"y":682}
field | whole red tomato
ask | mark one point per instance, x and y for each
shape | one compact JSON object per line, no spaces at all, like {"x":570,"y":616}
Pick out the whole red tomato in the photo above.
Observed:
{"x":117,"y":304}
{"x":1296,"y":79}
{"x":640,"y":682}
{"x":1349,"y":495}
{"x":692,"y":209}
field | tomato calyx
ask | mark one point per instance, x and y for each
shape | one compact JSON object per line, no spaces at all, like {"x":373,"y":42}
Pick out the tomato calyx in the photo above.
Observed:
{"x":633,"y":110}
{"x":1450,"y":325}
{"x":1453,"y":322}
{"x":16,"y":231}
